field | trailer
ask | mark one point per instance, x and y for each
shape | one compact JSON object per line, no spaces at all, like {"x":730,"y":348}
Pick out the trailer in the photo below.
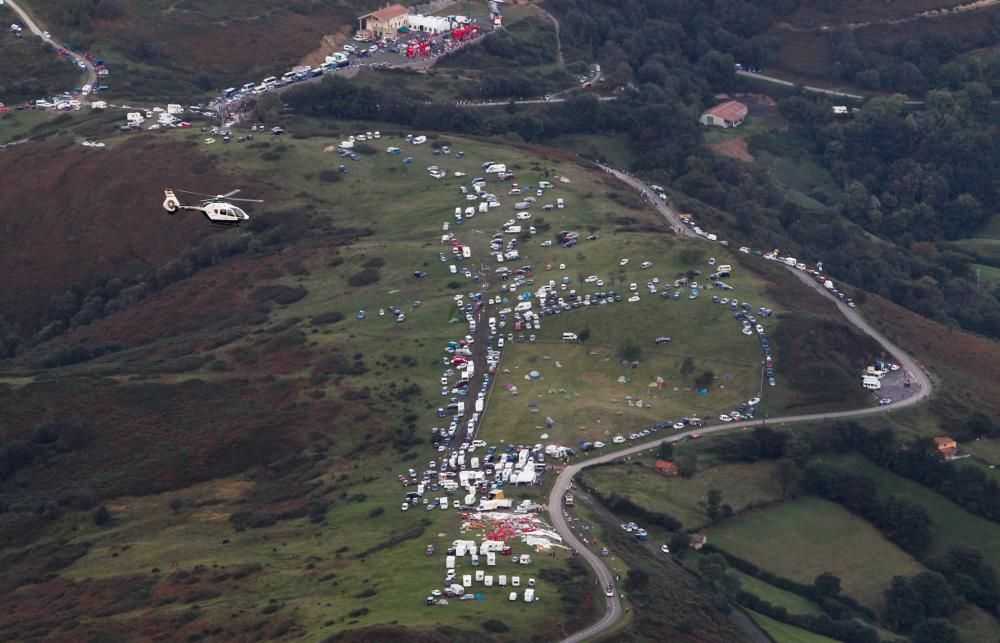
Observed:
{"x":491,"y":559}
{"x":529,"y":595}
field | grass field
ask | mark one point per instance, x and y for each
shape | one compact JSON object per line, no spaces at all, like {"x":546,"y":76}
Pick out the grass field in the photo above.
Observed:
{"x":741,"y":485}
{"x":950,"y":524}
{"x":776,"y":596}
{"x":806,"y":537}
{"x":784,"y":633}
{"x":147,"y":534}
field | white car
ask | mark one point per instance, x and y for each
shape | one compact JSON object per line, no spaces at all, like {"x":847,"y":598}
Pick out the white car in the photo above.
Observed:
{"x":599,"y":445}
{"x":665,"y":549}
{"x":753,"y":401}
{"x":619,"y":439}
{"x":678,"y":425}
{"x":623,"y":262}
{"x":725,"y":418}
{"x":404,"y":507}
{"x":647,"y":264}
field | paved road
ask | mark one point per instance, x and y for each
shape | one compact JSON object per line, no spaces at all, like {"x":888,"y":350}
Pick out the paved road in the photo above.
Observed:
{"x":808,"y":88}
{"x":738,"y":617}
{"x":35,"y":29}
{"x":613,"y":610}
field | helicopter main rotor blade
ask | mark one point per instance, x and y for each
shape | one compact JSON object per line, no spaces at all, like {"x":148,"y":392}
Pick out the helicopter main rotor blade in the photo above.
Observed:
{"x":230,"y":193}
{"x":248,"y":200}
{"x":211,"y":196}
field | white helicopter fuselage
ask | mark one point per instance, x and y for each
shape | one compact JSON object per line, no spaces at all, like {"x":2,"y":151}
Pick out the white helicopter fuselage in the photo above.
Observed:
{"x":218,"y":212}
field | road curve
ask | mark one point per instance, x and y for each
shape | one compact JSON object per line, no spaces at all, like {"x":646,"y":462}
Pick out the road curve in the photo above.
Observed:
{"x":35,"y":29}
{"x":562,"y":483}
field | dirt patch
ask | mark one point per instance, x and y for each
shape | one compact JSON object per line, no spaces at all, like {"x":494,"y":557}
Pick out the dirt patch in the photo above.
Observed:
{"x":734,"y":148}
{"x":328,"y":43}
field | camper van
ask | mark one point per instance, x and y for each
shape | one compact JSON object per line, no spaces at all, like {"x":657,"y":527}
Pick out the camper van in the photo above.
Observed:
{"x":871,"y":383}
{"x":529,"y":595}
{"x":496,"y":168}
{"x":569,"y":337}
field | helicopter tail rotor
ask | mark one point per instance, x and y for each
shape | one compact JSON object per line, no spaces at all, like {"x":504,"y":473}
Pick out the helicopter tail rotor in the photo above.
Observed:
{"x":171,"y":203}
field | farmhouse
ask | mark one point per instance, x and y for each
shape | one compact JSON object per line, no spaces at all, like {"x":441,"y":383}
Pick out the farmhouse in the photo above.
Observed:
{"x":385,"y":22}
{"x":946,"y":446}
{"x":728,"y":114}
{"x":666,"y":468}
{"x":697,"y":541}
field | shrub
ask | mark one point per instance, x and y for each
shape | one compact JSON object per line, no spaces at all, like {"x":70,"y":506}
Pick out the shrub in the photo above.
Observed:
{"x":364,"y":278}
{"x":329,"y":176}
{"x":496,"y":626}
{"x":328,"y":318}
{"x":279,"y":294}
{"x":102,"y":516}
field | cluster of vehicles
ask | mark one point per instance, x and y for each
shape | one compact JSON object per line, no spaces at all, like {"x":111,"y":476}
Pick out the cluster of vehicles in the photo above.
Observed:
{"x":680,"y":425}
{"x":641,"y":535}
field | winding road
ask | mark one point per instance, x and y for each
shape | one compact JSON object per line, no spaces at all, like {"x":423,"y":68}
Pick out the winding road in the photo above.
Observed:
{"x":613,"y":607}
{"x":35,"y":29}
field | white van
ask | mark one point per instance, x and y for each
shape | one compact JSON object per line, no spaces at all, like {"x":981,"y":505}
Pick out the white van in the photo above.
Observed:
{"x":529,"y":595}
{"x":871,"y":383}
{"x":496,"y":168}
{"x":560,"y":204}
{"x":526,"y":305}
{"x":569,"y":337}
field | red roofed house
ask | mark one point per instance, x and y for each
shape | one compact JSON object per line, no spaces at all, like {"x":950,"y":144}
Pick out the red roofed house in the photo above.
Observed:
{"x":728,"y":114}
{"x":946,"y":446}
{"x":666,"y":468}
{"x":385,"y":22}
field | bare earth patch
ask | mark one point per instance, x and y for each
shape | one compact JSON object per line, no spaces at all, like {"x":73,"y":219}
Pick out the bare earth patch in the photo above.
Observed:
{"x":734,"y":148}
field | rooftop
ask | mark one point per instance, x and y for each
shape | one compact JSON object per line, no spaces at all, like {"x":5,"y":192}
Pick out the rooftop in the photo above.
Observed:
{"x":388,"y":13}
{"x":730,"y":111}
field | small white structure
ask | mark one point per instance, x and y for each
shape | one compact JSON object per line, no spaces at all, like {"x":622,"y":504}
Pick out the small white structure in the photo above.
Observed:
{"x":429,"y":24}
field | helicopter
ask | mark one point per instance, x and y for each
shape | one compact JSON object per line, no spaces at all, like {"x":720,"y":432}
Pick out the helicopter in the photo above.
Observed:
{"x":216,"y":209}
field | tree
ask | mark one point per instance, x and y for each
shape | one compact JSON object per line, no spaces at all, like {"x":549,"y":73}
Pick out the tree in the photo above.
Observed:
{"x":636,"y":578}
{"x":903,"y":607}
{"x":687,"y":366}
{"x":583,"y":335}
{"x":703,"y":380}
{"x":826,"y":584}
{"x":687,"y":465}
{"x":712,"y":506}
{"x":712,"y":567}
{"x":935,"y":632}
{"x":665,"y":451}
{"x":268,"y":108}
{"x":678,"y":544}
{"x":788,"y":474}
{"x":102,"y":516}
